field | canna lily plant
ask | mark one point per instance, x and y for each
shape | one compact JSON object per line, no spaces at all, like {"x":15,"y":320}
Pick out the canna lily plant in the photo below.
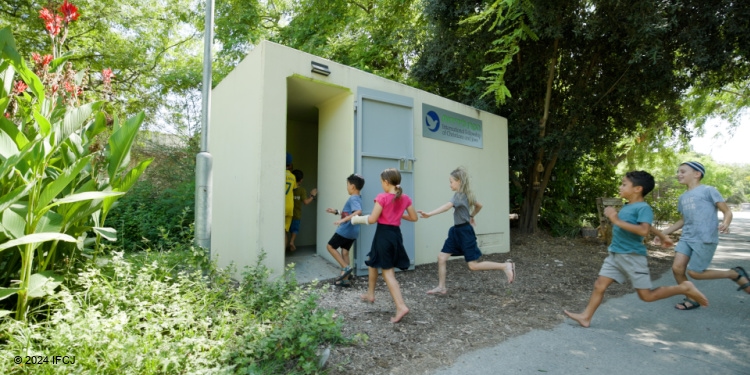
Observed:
{"x":63,"y":165}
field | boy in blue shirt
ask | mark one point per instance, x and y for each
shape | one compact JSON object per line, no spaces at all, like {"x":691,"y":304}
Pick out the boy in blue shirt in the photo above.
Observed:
{"x":627,"y":253}
{"x":346,"y":233}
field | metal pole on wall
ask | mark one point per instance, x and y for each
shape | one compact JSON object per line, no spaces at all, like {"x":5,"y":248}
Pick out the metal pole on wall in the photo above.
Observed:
{"x":203,"y":165}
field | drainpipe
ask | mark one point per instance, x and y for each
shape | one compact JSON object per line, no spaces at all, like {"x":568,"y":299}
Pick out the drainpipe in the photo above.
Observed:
{"x":203,"y":162}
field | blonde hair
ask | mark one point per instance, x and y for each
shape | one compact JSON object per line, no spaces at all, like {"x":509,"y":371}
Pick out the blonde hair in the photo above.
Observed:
{"x":393,"y":177}
{"x":459,"y":174}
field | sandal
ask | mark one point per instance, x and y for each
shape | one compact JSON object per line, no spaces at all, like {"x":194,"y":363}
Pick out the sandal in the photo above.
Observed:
{"x":347,"y":271}
{"x":692,"y":305}
{"x":740,"y":274}
{"x":346,"y":283}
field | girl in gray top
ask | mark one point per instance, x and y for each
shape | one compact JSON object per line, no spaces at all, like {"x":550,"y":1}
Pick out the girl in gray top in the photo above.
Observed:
{"x":461,"y":237}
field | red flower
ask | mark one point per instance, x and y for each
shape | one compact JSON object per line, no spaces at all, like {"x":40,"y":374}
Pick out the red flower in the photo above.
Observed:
{"x":107,"y":75}
{"x":69,"y":10}
{"x":20,"y":87}
{"x":46,"y":15}
{"x":54,"y":88}
{"x":41,"y":60}
{"x":7,"y":115}
{"x":69,"y":88}
{"x":52,"y":22}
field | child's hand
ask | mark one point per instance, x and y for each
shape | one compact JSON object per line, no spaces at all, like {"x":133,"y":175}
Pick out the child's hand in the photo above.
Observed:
{"x":610,"y":213}
{"x":337,"y":222}
{"x":314,"y":192}
{"x":425,"y":215}
{"x":723,"y":228}
{"x":668,"y":243}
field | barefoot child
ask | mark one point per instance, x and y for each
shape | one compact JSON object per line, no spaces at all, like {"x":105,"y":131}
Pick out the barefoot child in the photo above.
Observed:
{"x":461,"y":237}
{"x":627,"y":253}
{"x":700,"y":232}
{"x":346,"y":233}
{"x":388,"y":249}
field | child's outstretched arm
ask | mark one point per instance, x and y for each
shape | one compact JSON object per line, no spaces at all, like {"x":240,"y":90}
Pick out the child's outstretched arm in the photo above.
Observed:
{"x":372,"y":218}
{"x":436,"y":211}
{"x":724,"y":226}
{"x":661,"y":238}
{"x":640,"y":229}
{"x":677,"y":225}
{"x":411,"y":214}
{"x":348,"y":218}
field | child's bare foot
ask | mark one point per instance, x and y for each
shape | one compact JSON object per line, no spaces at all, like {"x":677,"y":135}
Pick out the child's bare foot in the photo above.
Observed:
{"x":437,"y":290}
{"x":580,"y":318}
{"x":694,"y":294}
{"x":292,"y":247}
{"x":367,"y":298}
{"x":510,"y":271}
{"x":399,"y":315}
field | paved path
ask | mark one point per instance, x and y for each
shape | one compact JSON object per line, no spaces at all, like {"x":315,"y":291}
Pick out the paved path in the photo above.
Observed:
{"x":629,"y":336}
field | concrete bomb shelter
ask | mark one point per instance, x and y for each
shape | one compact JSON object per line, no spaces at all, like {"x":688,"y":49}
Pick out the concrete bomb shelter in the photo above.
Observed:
{"x":336,"y":120}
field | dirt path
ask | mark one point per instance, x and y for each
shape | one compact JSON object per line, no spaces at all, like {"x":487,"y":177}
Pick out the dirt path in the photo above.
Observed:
{"x":480,"y":309}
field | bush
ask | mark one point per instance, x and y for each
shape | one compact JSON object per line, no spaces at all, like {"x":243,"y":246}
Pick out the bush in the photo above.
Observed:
{"x":159,"y":312}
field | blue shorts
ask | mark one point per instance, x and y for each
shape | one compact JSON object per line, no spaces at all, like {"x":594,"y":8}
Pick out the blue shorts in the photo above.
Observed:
{"x":462,"y":241}
{"x":700,"y":254}
{"x":294,"y":227}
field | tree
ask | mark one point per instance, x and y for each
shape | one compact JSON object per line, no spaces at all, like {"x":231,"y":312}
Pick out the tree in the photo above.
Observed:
{"x":597,"y":72}
{"x":153,"y":46}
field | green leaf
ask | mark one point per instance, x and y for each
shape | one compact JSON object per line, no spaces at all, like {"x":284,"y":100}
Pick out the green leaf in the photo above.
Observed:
{"x":50,"y":222}
{"x":14,"y":133}
{"x":5,"y":293}
{"x":91,"y":195}
{"x":44,"y":124}
{"x":106,"y":232}
{"x":43,"y":284}
{"x":37,"y":238}
{"x":74,"y":120}
{"x":120,"y":142}
{"x":56,"y":187}
{"x":126,"y":182}
{"x":13,"y":197}
{"x":56,"y":64}
{"x":14,"y":225}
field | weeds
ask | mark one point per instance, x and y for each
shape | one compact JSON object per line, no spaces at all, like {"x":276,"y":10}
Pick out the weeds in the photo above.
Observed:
{"x":161,"y":312}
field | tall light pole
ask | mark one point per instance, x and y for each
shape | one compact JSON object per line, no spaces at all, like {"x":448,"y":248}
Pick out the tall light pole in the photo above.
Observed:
{"x":203,"y":162}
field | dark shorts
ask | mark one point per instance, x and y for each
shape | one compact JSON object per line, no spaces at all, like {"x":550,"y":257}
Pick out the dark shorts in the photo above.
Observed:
{"x":462,"y":241}
{"x":388,"y":249}
{"x":338,"y":241}
{"x":294,"y":228}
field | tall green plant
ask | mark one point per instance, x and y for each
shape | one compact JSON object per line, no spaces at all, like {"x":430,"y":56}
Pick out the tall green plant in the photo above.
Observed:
{"x":56,"y":182}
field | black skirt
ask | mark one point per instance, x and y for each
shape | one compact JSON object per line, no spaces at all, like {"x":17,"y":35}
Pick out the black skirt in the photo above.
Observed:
{"x":387,"y":249}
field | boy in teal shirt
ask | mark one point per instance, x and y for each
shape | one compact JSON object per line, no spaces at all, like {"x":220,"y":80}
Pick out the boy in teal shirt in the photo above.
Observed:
{"x":627,"y":253}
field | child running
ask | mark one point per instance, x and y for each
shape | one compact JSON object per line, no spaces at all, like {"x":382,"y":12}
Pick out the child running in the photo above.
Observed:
{"x":627,"y":253}
{"x":346,"y":233}
{"x":700,"y":232}
{"x":461,"y":237}
{"x":387,"y":249}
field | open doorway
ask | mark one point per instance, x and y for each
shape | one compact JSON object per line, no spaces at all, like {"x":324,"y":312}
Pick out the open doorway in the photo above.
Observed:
{"x":304,"y":98}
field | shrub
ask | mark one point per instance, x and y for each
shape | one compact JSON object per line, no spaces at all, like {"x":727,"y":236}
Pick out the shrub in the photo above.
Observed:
{"x":159,"y":312}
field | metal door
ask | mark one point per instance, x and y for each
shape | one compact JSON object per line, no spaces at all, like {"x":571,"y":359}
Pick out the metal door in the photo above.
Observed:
{"x":384,"y":138}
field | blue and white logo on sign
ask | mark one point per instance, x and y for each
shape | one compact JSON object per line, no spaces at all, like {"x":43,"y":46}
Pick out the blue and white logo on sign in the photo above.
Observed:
{"x":432,"y":121}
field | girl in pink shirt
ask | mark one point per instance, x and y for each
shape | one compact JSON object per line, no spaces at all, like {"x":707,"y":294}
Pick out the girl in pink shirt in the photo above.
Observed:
{"x":388,"y":249}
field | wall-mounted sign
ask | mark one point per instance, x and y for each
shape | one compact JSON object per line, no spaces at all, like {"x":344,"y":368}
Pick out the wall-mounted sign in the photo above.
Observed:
{"x":450,"y":126}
